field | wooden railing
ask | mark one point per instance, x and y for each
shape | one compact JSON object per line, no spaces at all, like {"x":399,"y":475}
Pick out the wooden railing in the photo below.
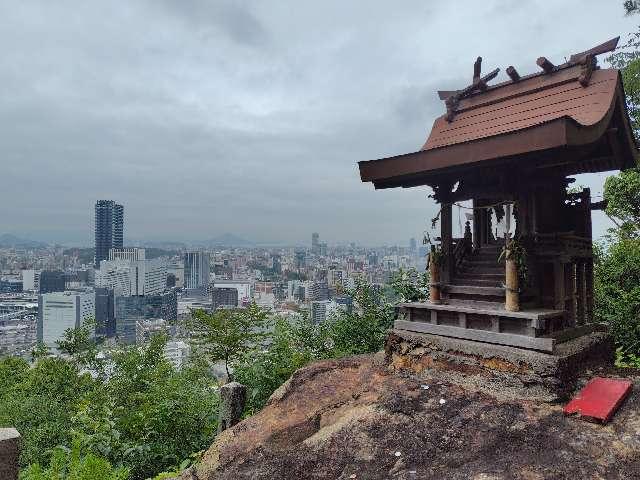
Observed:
{"x":562,"y":243}
{"x":461,"y":248}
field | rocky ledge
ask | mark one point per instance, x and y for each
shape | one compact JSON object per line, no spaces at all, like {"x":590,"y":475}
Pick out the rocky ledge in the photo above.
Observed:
{"x":355,"y":419}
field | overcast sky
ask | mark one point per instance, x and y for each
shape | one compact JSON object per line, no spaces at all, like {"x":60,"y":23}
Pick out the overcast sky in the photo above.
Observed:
{"x":206,"y":117}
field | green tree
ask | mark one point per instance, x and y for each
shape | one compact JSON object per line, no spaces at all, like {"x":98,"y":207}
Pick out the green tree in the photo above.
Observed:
{"x":617,"y":292}
{"x":617,"y":262}
{"x":227,"y":334}
{"x":622,"y":193}
{"x":40,"y":402}
{"x":71,"y":465}
{"x":145,"y":416}
{"x":410,"y":285}
{"x":148,"y":416}
{"x":297,"y":341}
{"x":294,"y":343}
{"x":76,"y":341}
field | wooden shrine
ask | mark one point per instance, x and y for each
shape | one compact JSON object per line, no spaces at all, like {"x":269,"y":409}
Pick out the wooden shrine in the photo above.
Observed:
{"x":510,"y":147}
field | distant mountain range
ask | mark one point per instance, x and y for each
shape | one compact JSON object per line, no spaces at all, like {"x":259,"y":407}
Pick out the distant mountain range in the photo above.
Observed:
{"x":229,"y":240}
{"x":8,"y":240}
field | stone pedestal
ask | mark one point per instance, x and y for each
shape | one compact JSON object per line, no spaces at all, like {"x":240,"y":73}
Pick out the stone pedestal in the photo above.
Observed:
{"x":233,"y":396}
{"x":499,"y":369}
{"x":9,"y":453}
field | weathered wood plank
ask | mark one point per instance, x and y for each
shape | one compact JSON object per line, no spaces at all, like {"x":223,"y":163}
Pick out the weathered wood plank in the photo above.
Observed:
{"x":536,"y":314}
{"x":534,"y":343}
{"x":462,"y":320}
{"x":474,"y":290}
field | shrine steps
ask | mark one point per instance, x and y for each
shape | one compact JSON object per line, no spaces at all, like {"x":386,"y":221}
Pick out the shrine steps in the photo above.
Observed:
{"x":480,"y":277}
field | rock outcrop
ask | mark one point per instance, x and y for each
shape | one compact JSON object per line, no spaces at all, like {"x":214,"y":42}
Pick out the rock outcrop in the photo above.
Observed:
{"x":354,"y":419}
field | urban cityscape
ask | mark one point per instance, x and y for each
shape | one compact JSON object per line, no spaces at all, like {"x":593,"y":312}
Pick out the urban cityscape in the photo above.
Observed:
{"x":320,"y":240}
{"x":134,"y":292}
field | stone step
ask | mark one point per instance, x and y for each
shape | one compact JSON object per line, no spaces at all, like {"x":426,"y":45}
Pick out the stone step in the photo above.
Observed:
{"x":475,"y":290}
{"x":477,"y":282}
{"x":481,"y":276}
{"x":479,"y":261}
{"x":481,"y":270}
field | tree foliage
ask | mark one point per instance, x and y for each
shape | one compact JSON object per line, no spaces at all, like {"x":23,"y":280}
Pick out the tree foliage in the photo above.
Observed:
{"x":617,"y":262}
{"x":40,"y":402}
{"x":297,"y":341}
{"x":410,"y":285}
{"x":144,"y":416}
{"x":617,"y":292}
{"x":70,"y":464}
{"x":622,"y":193}
{"x":227,"y":334}
{"x":148,"y":416}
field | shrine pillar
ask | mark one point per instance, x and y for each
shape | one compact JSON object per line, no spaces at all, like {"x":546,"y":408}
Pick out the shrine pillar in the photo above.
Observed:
{"x":559,"y":296}
{"x":477,"y":225}
{"x":581,"y":282}
{"x":588,"y":275}
{"x":446,"y":238}
{"x":512,"y":291}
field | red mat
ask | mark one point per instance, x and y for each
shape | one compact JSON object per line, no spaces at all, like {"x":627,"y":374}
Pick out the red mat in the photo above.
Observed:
{"x":599,"y":399}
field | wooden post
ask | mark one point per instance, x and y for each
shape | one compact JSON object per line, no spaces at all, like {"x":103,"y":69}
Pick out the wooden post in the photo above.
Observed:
{"x":558,"y":282}
{"x":581,"y":284}
{"x":445,"y":236}
{"x":477,"y":225}
{"x":512,"y":294}
{"x":434,"y":272}
{"x":467,"y":234}
{"x":588,"y":274}
{"x":572,"y":290}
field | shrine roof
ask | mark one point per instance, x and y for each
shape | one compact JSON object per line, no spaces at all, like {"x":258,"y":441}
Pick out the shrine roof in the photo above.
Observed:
{"x":556,"y":109}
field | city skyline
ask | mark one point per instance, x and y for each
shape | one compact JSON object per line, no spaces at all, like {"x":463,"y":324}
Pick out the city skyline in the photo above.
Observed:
{"x":264,"y":146}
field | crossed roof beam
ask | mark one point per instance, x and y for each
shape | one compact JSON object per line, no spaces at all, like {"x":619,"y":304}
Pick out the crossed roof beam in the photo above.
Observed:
{"x":480,"y":83}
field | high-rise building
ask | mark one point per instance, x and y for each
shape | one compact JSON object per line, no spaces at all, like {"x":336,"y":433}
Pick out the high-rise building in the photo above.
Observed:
{"x":109,"y":228}
{"x":52,"y":281}
{"x":336,"y":278}
{"x":60,"y":311}
{"x":130,"y":254}
{"x":319,"y":310}
{"x":276,"y":262}
{"x":224,"y":297}
{"x":105,"y":317}
{"x":177,"y":270}
{"x":116,"y":275}
{"x":196,"y":270}
{"x":128,"y":310}
{"x":413,"y":245}
{"x":300,"y":259}
{"x":30,"y":280}
{"x":318,"y":291}
{"x":245,"y":289}
{"x":128,"y":272}
{"x":315,"y":243}
{"x":177,"y":352}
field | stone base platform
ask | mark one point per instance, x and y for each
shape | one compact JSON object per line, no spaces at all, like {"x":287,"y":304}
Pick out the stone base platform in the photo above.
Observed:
{"x":498,"y":369}
{"x":534,"y":328}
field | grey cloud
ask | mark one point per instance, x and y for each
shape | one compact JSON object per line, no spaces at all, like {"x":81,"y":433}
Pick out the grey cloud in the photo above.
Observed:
{"x":249,"y":117}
